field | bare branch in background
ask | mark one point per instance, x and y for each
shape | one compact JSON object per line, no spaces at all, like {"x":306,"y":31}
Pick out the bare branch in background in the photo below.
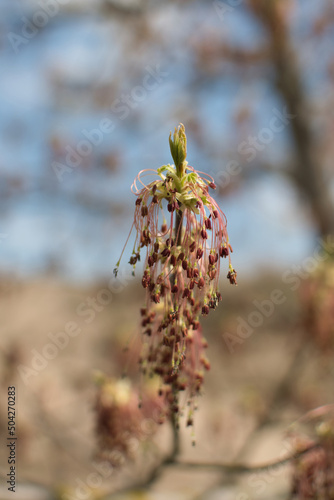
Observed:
{"x":308,"y":172}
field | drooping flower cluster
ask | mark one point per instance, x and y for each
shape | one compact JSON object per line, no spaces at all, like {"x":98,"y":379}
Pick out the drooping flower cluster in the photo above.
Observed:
{"x":317,"y":294}
{"x":313,"y":472}
{"x":121,"y":426}
{"x":183,"y":233}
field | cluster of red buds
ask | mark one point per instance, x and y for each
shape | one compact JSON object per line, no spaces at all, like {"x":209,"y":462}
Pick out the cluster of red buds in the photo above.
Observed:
{"x":317,"y":295}
{"x":313,"y":472}
{"x":122,"y":424}
{"x":183,"y":233}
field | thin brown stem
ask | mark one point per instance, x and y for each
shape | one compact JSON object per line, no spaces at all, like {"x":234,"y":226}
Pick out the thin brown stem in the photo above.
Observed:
{"x":248,"y":469}
{"x":225,"y":469}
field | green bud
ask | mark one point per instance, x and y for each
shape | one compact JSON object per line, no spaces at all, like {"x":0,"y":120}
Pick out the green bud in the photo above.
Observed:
{"x":178,"y":147}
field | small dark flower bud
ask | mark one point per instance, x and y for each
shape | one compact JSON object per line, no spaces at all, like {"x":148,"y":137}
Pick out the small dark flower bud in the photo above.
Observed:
{"x":148,"y":332}
{"x":143,"y":311}
{"x":154,"y":188}
{"x":144,"y":211}
{"x":156,"y":246}
{"x":150,"y":261}
{"x":170,"y":207}
{"x":170,"y":242}
{"x":211,"y":259}
{"x":201,"y":283}
{"x":173,"y":260}
{"x":190,"y":422}
{"x":232,"y":277}
{"x":195,"y":325}
{"x":154,"y":257}
{"x":133,"y":260}
{"x":165,"y":252}
{"x":207,"y":224}
{"x":156,"y":298}
{"x":212,"y":185}
{"x":196,"y":273}
{"x":190,"y":272}
{"x":191,"y":284}
{"x":192,"y":246}
{"x":175,"y":289}
{"x":146,"y":240}
{"x":215,"y":214}
{"x":155,"y":199}
{"x":146,"y":280}
{"x":151,"y":286}
{"x":164,"y":228}
{"x":224,"y":251}
{"x":138,"y":201}
{"x":199,"y":253}
{"x":181,"y":256}
{"x":186,"y":293}
{"x":191,"y":301}
{"x":204,"y":234}
{"x":212,"y":274}
{"x":184,"y":265}
{"x":205,"y":310}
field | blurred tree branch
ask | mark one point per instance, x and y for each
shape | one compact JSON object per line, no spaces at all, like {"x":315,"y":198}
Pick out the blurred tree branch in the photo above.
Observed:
{"x":308,"y":173}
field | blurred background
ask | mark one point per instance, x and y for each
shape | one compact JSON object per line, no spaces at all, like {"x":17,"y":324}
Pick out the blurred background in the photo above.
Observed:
{"x":89,"y":92}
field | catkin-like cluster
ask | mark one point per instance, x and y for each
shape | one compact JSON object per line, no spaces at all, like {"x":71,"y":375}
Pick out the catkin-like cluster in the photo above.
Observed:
{"x":182,"y":232}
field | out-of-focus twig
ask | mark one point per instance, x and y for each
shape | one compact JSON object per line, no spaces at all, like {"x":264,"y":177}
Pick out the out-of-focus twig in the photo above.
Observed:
{"x":308,"y":172}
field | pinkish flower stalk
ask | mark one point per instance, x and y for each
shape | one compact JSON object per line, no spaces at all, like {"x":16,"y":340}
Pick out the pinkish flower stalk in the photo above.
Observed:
{"x":182,"y":231}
